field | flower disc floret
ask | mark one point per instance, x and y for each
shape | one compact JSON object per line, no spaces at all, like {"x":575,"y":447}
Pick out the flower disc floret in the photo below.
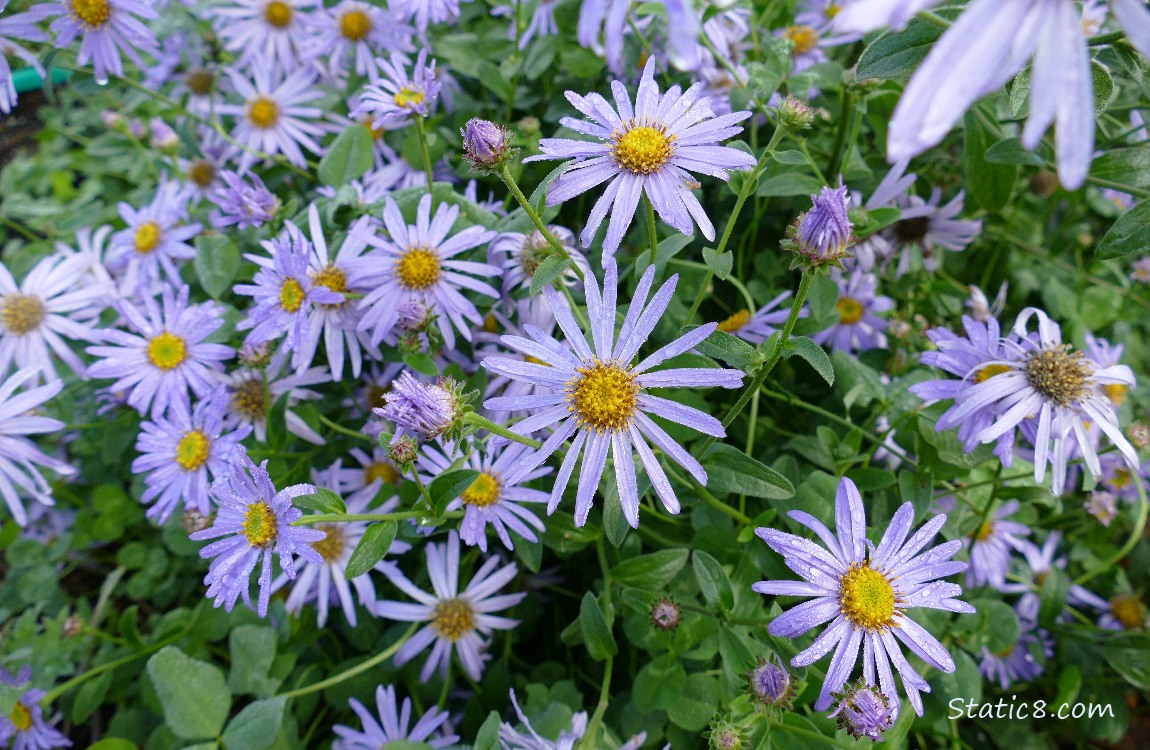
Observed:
{"x":642,"y":149}
{"x":278,"y":14}
{"x":804,"y":38}
{"x":1058,"y":373}
{"x":867,"y":598}
{"x":408,"y":97}
{"x":850,"y":310}
{"x":167,"y":351}
{"x":291,"y":295}
{"x":21,"y":313}
{"x":263,"y":112}
{"x":330,"y":548}
{"x":193,"y":450}
{"x":603,"y":396}
{"x":418,"y":268}
{"x":736,"y":321}
{"x":148,"y":236}
{"x":484,"y":491}
{"x":453,"y":619}
{"x":355,"y":25}
{"x":259,"y":524}
{"x":93,"y":13}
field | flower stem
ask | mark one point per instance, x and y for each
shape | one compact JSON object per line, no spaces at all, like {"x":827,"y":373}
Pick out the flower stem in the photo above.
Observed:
{"x":651,"y":229}
{"x":513,"y":186}
{"x":344,"y":430}
{"x":360,"y":668}
{"x":497,"y":429}
{"x":1135,"y":536}
{"x":601,"y":708}
{"x":346,"y":517}
{"x":419,"y":128}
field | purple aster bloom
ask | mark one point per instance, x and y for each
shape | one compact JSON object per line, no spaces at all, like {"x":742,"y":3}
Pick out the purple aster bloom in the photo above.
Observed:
{"x":18,"y":26}
{"x":109,"y":27}
{"x":511,"y":738}
{"x":1018,"y":663}
{"x":520,"y":255}
{"x":256,"y":522}
{"x":180,"y":450}
{"x":284,"y":295}
{"x":394,"y":98}
{"x":647,"y":149}
{"x":376,"y":382}
{"x":1104,"y":354}
{"x":250,"y":402}
{"x":865,"y":711}
{"x":1118,"y":478}
{"x":418,"y":263}
{"x":154,"y":241}
{"x":1126,"y":612}
{"x":426,"y":12}
{"x":55,"y":301}
{"x":991,"y":545}
{"x":202,"y":172}
{"x":163,"y":354}
{"x":982,"y":309}
{"x":1103,"y":506}
{"x":393,"y":725}
{"x":268,"y":34}
{"x":598,"y":397}
{"x":602,"y":24}
{"x":771,"y":682}
{"x":811,"y":32}
{"x":864,"y":591}
{"x":375,"y":473}
{"x":859,"y":328}
{"x":542,"y":21}
{"x":26,"y":728}
{"x":274,"y":118}
{"x":492,"y":498}
{"x":243,"y":203}
{"x":823,"y":233}
{"x":427,"y":409}
{"x":361,"y":31}
{"x":758,"y":327}
{"x":456,"y":620}
{"x":19,"y":456}
{"x":1039,"y":562}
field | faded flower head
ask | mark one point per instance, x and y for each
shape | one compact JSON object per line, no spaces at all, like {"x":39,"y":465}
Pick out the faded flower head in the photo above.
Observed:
{"x":724,"y":734}
{"x":665,"y":614}
{"x":864,"y":711}
{"x":431,"y":410}
{"x":486,"y":145}
{"x":771,"y":683}
{"x":822,"y":235}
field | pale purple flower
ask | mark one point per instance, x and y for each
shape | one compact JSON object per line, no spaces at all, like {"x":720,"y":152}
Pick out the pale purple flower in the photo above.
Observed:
{"x":602,"y":24}
{"x":982,"y":309}
{"x":18,"y":26}
{"x":864,"y":711}
{"x":426,"y":12}
{"x":1039,"y":562}
{"x":267,"y":34}
{"x":520,"y":255}
{"x":243,"y":202}
{"x":163,"y":355}
{"x":109,"y":27}
{"x":864,"y":592}
{"x":542,"y":21}
{"x":598,"y":397}
{"x":357,"y":30}
{"x":26,"y":728}
{"x":417,"y":262}
{"x":275,"y":117}
{"x":181,"y":450}
{"x":859,"y":327}
{"x":649,"y":149}
{"x":202,"y":171}
{"x":824,"y":232}
{"x":427,"y":409}
{"x":457,"y":621}
{"x":393,"y":725}
{"x":771,"y":682}
{"x":991,"y":546}
{"x":512,"y":739}
{"x":1141,"y":271}
{"x":250,"y":403}
{"x":1103,"y":506}
{"x":1019,"y":662}
{"x":397,"y":95}
{"x":154,"y":244}
{"x":256,"y":522}
{"x":20,"y":458}
{"x":759,"y":326}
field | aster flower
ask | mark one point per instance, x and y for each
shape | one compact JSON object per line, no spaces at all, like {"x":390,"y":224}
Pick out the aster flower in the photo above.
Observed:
{"x":26,"y":728}
{"x":1039,"y":562}
{"x":811,"y":33}
{"x":1103,"y":506}
{"x":1019,"y":662}
{"x":426,"y":12}
{"x":430,"y":410}
{"x":418,"y":263}
{"x":109,"y":27}
{"x":163,"y":354}
{"x":1141,"y":271}
{"x":991,"y":545}
{"x":90,"y":246}
{"x":520,"y":255}
{"x":272,"y":34}
{"x":274,"y":118}
{"x":18,"y":26}
{"x":256,"y":522}
{"x":602,"y":24}
{"x":982,"y":309}
{"x":376,"y":382}
{"x":864,"y":711}
{"x":361,"y":31}
{"x":155,"y":239}
{"x":393,"y":725}
{"x":512,"y":739}
{"x":457,"y":620}
{"x":243,"y":202}
{"x":395,"y":97}
{"x":1126,"y":612}
{"x":770,"y":683}
{"x":202,"y":172}
{"x":823,"y":234}
{"x":646,"y":149}
{"x":54,"y":301}
{"x":859,"y":327}
{"x":250,"y":401}
{"x":597,"y":396}
{"x":180,"y":450}
{"x":492,"y":499}
{"x":758,"y":327}
{"x":19,"y":456}
{"x":865,"y":592}
{"x":542,"y":21}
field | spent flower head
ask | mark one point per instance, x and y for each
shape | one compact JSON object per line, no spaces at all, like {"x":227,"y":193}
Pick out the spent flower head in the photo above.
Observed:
{"x":864,"y":711}
{"x":486,"y":146}
{"x":821,"y":236}
{"x":431,"y":410}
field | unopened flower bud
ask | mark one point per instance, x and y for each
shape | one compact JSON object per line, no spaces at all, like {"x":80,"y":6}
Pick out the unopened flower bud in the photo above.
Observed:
{"x":822,"y":235}
{"x":724,"y":734}
{"x":794,"y":114}
{"x":403,"y":450}
{"x":112,"y":120}
{"x":72,"y":627}
{"x":430,"y":410}
{"x":485,"y":144}
{"x":1139,"y":433}
{"x":665,"y":614}
{"x":863,"y":711}
{"x":164,"y":137}
{"x":771,"y":683}
{"x":194,"y":521}
{"x":255,"y":355}
{"x":412,"y":315}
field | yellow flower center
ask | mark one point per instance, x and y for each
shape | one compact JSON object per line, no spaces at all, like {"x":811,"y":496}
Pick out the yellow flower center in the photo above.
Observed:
{"x":408,"y":97}
{"x":201,"y":81}
{"x":21,"y":313}
{"x":1116,"y":392}
{"x":166,"y":351}
{"x":331,"y":276}
{"x":263,"y":113}
{"x":1128,"y":610}
{"x":603,"y":396}
{"x":21,"y":717}
{"x":1059,"y":374}
{"x":248,"y":399}
{"x":642,"y":150}
{"x":535,"y":250}
{"x":260,"y":525}
{"x":331,"y":546}
{"x":1121,"y":479}
{"x":1006,"y":652}
{"x":491,"y":324}
{"x":94,"y":13}
{"x":148,"y":237}
{"x":375,"y":129}
{"x":192,"y":450}
{"x":850,"y":310}
{"x":804,"y":39}
{"x":355,"y":25}
{"x":384,"y":471}
{"x":983,"y":531}
{"x":989,"y":371}
{"x":291,"y":295}
{"x":278,"y":14}
{"x":736,"y":321}
{"x":484,"y":491}
{"x":201,"y":173}
{"x":454,"y":618}
{"x":867,"y":598}
{"x":418,"y":268}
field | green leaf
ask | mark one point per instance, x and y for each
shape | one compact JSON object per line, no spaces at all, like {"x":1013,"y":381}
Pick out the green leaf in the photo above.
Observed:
{"x":1125,"y":166}
{"x":277,"y":422}
{"x":792,"y":158}
{"x":813,"y":354}
{"x":713,"y":581}
{"x":651,"y":572}
{"x":734,"y":351}
{"x":1103,"y":91}
{"x":193,"y":694}
{"x":1052,"y":597}
{"x":550,"y":269}
{"x":764,"y":78}
{"x":596,"y":630}
{"x":322,"y":500}
{"x":538,"y":199}
{"x":788,"y":184}
{"x":448,"y":486}
{"x":896,"y":53}
{"x":659,"y":684}
{"x":373,"y":545}
{"x":113,"y":743}
{"x":421,"y":362}
{"x":990,"y":184}
{"x":1130,"y":234}
{"x":1010,"y":151}
{"x":348,"y":158}
{"x":719,"y":263}
{"x":256,"y":727}
{"x":730,"y":471}
{"x":997,"y":624}
{"x":217,"y":262}
{"x":488,"y":736}
{"x":253,"y":650}
{"x":90,"y":696}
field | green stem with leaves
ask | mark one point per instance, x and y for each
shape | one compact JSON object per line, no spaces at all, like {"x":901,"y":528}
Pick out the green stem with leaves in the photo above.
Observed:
{"x":360,"y":668}
{"x":509,"y":180}
{"x":497,"y":429}
{"x":419,"y":129}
